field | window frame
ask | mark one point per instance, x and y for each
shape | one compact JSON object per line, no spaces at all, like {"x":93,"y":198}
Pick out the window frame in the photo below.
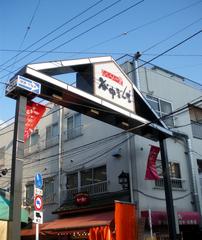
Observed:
{"x":159,"y":112}
{"x":74,"y":130}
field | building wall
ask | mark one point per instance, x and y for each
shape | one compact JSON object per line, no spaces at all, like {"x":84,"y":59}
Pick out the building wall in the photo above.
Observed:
{"x":98,"y":142}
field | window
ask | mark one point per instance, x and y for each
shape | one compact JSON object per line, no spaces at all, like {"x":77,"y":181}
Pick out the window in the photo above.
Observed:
{"x":2,"y":156}
{"x":162,"y":108}
{"x":73,"y":126}
{"x":31,"y":145}
{"x":92,"y":181}
{"x":30,"y":193}
{"x":72,"y":180}
{"x":52,"y":132}
{"x":93,"y":175}
{"x":196,"y":121}
{"x":48,"y":191}
{"x":175,"y":175}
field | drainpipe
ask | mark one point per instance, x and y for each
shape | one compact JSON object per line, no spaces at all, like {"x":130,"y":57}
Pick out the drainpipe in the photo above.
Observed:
{"x":192,"y":169}
{"x":131,"y":143}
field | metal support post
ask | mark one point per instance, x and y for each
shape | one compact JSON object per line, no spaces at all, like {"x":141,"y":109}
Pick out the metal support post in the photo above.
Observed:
{"x":60,"y":153}
{"x":168,"y":191}
{"x":14,"y":225}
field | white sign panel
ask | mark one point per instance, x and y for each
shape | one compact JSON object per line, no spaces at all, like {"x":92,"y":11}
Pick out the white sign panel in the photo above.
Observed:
{"x":38,"y":191}
{"x":112,"y":85}
{"x":38,"y":217}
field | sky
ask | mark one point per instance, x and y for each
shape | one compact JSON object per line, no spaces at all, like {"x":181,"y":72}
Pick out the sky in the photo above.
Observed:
{"x":43,"y":30}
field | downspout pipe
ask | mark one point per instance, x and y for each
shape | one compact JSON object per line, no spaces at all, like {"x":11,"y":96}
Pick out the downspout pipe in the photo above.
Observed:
{"x":195,"y":195}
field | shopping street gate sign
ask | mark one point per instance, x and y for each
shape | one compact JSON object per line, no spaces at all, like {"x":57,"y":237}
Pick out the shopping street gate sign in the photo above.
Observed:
{"x":103,"y":91}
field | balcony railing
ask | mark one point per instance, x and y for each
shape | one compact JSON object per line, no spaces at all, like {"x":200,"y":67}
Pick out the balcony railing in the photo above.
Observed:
{"x":176,"y":183}
{"x":91,"y":189}
{"x":196,"y":129}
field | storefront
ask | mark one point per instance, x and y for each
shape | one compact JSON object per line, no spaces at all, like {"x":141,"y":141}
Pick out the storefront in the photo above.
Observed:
{"x":106,"y":222}
{"x":79,"y":227}
{"x":157,"y":220}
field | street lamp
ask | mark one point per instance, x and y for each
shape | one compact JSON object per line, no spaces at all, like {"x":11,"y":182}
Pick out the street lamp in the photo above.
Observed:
{"x":124,"y":180}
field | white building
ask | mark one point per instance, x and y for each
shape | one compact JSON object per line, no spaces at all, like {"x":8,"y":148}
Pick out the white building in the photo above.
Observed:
{"x":76,"y":153}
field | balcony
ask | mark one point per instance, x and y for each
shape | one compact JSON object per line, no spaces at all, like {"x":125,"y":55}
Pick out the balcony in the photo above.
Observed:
{"x":91,"y":189}
{"x":177,"y":183}
{"x":196,"y":129}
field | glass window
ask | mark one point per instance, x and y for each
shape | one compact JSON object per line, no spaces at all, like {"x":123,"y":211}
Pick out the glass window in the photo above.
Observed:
{"x":70,"y":122}
{"x":55,"y":130}
{"x":74,"y":126}
{"x":77,"y":120}
{"x":72,"y":180}
{"x":34,"y":138}
{"x":162,"y":108}
{"x":153,"y":103}
{"x":174,"y":169}
{"x":99,"y":174}
{"x":165,"y":107}
{"x":86,"y":177}
{"x":48,"y":132}
{"x":48,"y":190}
{"x":30,"y":193}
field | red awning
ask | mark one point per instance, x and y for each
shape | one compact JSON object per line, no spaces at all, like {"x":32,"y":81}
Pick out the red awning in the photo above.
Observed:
{"x":82,"y":222}
{"x":184,"y":218}
{"x":32,"y":231}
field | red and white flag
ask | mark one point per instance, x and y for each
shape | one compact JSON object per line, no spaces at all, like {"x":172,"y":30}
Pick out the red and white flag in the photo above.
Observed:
{"x":151,"y":171}
{"x":34,"y":112}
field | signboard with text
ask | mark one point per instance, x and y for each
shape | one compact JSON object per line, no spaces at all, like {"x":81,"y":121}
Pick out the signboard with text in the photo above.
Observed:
{"x":111,"y":84}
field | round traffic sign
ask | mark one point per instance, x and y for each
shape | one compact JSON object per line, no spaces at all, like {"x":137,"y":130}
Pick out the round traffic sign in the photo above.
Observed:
{"x":38,"y":203}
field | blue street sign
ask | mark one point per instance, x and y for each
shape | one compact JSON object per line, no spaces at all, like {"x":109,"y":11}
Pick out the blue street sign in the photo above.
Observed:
{"x":28,"y":84}
{"x":38,"y":180}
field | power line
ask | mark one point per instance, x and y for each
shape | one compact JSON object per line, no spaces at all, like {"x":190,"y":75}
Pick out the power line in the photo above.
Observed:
{"x":143,"y":25}
{"x":159,"y":55}
{"x":86,"y":31}
{"x":170,"y":36}
{"x":54,"y":30}
{"x":26,"y":33}
{"x":68,"y":30}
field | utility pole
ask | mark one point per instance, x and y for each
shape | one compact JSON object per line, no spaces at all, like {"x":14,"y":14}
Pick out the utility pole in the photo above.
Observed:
{"x":60,"y":152}
{"x":168,"y":191}
{"x":14,"y":225}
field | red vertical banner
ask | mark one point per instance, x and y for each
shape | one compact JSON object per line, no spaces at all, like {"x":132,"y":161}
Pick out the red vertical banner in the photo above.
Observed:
{"x":125,"y":221}
{"x":151,"y":172}
{"x":34,"y":112}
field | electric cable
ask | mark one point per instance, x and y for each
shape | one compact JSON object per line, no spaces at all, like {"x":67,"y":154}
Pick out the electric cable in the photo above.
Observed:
{"x":54,"y":30}
{"x":170,"y":36}
{"x":68,"y":30}
{"x":86,"y":31}
{"x":171,"y":48}
{"x":26,"y":33}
